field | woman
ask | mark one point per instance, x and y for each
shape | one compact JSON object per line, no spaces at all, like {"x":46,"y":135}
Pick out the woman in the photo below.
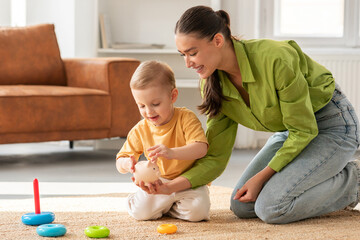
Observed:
{"x":304,"y":169}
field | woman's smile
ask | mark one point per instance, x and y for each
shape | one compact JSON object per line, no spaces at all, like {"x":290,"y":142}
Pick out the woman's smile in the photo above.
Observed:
{"x":198,"y":69}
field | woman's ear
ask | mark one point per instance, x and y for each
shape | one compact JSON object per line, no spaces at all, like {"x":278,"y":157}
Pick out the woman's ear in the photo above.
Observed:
{"x":174,"y":95}
{"x":218,"y":40}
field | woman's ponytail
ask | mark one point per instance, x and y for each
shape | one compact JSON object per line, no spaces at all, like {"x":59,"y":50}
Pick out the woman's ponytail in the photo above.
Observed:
{"x":212,"y":96}
{"x":204,"y":22}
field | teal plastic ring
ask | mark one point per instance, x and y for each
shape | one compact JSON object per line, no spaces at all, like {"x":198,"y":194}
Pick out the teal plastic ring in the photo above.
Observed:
{"x":97,"y":232}
{"x":51,"y":230}
{"x":38,"y":219}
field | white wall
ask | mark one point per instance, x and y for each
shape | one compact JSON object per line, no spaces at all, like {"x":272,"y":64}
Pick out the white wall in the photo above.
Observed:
{"x":75,"y":22}
{"x":145,"y":21}
{"x":86,"y":22}
{"x":247,"y":18}
{"x":60,"y":13}
{"x":5,"y":12}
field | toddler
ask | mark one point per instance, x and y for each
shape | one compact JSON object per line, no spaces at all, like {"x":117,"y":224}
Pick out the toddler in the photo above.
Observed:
{"x":170,"y":136}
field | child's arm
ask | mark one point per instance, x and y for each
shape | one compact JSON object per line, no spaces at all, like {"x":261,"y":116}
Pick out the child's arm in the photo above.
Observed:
{"x":125,"y":165}
{"x":191,"y":151}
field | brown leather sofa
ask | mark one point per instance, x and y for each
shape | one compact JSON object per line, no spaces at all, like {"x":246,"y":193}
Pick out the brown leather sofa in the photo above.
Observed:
{"x":46,"y":98}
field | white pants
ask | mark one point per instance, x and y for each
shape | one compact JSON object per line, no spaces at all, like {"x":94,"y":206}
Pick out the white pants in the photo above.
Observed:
{"x":191,"y":205}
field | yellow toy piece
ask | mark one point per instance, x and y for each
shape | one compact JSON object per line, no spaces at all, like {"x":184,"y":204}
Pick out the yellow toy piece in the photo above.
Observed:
{"x":167,"y":228}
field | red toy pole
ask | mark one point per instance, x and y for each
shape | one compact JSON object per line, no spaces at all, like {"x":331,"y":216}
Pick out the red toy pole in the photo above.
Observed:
{"x":36,"y":196}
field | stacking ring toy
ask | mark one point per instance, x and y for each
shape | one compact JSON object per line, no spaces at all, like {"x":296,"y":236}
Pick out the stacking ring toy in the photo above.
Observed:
{"x":97,"y":232}
{"x":51,"y":230}
{"x":38,"y":219}
{"x":167,"y":228}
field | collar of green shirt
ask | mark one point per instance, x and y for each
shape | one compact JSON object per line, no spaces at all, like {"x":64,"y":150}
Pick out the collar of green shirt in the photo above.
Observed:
{"x":228,"y":88}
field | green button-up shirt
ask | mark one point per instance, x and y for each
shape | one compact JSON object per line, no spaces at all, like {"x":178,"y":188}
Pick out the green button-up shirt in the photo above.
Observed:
{"x":285,"y":89}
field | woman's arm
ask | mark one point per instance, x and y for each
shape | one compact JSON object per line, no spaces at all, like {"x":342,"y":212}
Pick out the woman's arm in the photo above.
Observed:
{"x":190,"y":151}
{"x":221,"y":134}
{"x":176,"y":185}
{"x":251,"y":189}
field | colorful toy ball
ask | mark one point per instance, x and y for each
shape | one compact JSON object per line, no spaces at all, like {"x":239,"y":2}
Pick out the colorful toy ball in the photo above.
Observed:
{"x":167,"y":228}
{"x":51,"y":230}
{"x":97,"y":232}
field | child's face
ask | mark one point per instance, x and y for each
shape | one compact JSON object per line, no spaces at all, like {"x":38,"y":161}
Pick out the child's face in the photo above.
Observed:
{"x":155,"y":103}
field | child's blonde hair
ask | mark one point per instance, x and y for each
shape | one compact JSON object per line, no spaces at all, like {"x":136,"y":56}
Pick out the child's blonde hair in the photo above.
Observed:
{"x":151,"y":72}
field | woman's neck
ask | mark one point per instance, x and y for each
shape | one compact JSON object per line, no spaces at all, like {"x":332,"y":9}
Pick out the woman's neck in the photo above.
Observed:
{"x":229,"y":62}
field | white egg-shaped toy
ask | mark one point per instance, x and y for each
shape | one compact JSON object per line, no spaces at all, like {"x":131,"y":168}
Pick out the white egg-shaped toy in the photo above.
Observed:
{"x":146,"y":171}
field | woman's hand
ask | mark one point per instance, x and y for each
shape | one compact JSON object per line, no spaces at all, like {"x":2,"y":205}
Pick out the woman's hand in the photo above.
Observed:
{"x":160,"y":151}
{"x":176,"y":185}
{"x":157,"y":187}
{"x":162,"y":188}
{"x":252,"y":188}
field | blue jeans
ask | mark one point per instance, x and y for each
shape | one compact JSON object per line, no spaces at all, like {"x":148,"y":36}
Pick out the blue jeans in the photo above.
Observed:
{"x":319,"y":180}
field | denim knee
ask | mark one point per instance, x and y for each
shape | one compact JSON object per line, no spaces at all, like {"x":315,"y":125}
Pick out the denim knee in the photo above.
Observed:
{"x":264,"y":213}
{"x":242,"y":210}
{"x":273,"y":212}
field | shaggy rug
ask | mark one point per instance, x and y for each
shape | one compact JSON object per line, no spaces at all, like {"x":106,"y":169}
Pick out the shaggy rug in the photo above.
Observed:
{"x":79,"y":212}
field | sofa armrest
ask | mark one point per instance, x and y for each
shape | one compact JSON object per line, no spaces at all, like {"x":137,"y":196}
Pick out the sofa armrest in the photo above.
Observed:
{"x":92,"y":72}
{"x":112,"y":75}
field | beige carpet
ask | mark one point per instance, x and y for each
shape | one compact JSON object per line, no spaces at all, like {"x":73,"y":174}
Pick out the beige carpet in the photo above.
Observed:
{"x":76,"y":213}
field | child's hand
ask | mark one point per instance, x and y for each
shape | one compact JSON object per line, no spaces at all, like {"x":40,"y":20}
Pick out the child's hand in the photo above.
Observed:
{"x":126,"y":164}
{"x":160,"y":151}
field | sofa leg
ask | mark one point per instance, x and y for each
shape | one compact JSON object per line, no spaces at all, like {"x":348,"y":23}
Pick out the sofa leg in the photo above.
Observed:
{"x":71,"y":144}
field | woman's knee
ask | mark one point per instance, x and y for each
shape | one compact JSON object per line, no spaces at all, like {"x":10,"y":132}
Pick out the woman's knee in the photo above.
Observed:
{"x":264,"y":213}
{"x":242,"y":210}
{"x":252,"y":210}
{"x":273,"y":212}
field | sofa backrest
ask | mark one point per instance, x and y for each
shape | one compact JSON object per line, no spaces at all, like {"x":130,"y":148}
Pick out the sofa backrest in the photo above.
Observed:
{"x":30,"y":55}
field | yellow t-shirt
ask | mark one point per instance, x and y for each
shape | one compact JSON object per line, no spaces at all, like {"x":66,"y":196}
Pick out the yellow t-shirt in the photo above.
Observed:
{"x":182,"y":129}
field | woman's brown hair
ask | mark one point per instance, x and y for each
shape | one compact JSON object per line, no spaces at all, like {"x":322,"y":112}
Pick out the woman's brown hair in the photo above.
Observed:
{"x":204,"y":22}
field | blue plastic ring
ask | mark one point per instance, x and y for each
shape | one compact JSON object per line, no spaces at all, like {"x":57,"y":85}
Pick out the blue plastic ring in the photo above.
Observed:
{"x":51,"y":230}
{"x":38,"y":219}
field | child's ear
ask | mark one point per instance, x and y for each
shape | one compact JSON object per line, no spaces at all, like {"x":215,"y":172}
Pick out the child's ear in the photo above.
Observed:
{"x":174,"y":95}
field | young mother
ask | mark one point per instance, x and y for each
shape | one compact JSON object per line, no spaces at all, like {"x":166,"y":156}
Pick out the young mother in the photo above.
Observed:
{"x":304,"y":169}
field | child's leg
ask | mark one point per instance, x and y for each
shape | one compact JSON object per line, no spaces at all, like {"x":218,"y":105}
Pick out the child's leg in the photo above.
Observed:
{"x":192,"y":205}
{"x":144,"y":206}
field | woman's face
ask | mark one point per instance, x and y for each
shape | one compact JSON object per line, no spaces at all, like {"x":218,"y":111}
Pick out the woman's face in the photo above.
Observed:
{"x":199,"y":54}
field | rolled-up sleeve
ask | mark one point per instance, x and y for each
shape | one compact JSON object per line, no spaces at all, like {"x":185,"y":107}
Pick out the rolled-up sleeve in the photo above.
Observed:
{"x":221,"y":133}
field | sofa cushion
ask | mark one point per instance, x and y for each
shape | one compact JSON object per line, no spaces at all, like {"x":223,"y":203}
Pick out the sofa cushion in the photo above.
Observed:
{"x":30,"y":55}
{"x":29,"y":109}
